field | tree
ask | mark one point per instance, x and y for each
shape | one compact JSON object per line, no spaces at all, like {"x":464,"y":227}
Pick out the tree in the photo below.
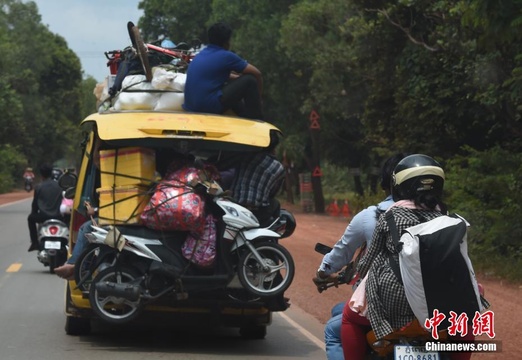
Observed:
{"x":39,"y":82}
{"x":178,"y":19}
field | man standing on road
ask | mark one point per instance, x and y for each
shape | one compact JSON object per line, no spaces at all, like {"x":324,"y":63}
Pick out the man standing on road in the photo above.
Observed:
{"x":358,"y":232}
{"x":46,"y":204}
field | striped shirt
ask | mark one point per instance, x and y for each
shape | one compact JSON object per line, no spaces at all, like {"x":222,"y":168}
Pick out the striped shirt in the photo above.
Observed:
{"x":257,"y":180}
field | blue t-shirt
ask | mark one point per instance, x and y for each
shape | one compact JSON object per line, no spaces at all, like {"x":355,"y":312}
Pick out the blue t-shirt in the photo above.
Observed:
{"x":206,"y":75}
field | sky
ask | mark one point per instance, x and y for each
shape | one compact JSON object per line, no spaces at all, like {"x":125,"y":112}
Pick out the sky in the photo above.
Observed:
{"x":90,"y":28}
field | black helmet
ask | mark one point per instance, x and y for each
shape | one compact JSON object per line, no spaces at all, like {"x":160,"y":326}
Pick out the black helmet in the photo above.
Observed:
{"x":417,"y":174}
{"x":285,"y":225}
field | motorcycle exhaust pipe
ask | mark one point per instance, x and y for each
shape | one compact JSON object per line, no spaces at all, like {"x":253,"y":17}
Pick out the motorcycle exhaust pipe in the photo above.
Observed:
{"x":126,"y":291}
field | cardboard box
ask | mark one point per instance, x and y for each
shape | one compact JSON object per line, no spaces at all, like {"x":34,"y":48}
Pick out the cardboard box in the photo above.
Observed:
{"x":129,"y":166}
{"x":122,"y":205}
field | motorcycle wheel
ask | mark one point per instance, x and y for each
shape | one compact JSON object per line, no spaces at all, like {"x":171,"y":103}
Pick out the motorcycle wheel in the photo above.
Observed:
{"x":52,"y":265}
{"x":114,"y":309}
{"x":57,"y":260}
{"x":141,"y":49}
{"x":84,"y":266}
{"x":270,"y":278}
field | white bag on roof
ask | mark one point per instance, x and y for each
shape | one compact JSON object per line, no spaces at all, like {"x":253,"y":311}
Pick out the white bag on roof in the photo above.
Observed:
{"x":135,"y":94}
{"x":170,"y":101}
{"x":168,"y":80}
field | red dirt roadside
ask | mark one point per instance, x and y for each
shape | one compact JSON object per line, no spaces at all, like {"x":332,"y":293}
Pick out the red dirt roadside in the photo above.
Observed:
{"x":312,"y":228}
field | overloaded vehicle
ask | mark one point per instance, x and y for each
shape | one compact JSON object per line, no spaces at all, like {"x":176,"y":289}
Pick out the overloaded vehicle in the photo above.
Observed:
{"x":168,"y":238}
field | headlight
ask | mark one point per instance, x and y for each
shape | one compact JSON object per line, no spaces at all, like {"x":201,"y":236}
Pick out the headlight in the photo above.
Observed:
{"x":232,"y":211}
{"x":251,"y":216}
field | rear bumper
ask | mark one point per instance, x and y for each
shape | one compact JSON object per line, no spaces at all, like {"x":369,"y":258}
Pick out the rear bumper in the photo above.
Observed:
{"x":217,"y":311}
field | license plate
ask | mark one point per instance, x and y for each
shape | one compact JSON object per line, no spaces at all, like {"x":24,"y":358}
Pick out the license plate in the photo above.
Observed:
{"x":53,"y":245}
{"x":409,"y":352}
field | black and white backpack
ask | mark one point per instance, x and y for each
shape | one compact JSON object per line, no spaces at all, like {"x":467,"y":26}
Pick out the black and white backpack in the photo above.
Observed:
{"x":435,"y":268}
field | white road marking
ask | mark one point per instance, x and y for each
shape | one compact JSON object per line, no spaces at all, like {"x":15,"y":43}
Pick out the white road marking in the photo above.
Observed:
{"x":303,"y":331}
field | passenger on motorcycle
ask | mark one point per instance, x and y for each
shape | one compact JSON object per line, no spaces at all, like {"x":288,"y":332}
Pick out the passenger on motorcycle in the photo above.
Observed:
{"x":387,"y":307}
{"x":46,"y":204}
{"x":358,"y":232}
{"x":257,"y":180}
{"x":66,"y":208}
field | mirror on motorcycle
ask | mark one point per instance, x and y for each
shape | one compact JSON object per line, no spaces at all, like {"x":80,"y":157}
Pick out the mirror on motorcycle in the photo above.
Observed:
{"x":322,"y":248}
{"x":67,"y":181}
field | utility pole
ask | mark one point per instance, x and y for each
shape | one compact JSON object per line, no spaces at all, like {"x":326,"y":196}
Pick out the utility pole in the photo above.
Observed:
{"x":317,"y":189}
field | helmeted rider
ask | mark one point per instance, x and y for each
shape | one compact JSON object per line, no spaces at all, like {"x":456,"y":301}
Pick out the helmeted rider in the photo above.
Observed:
{"x":46,"y":203}
{"x":28,"y":174}
{"x":418,"y":182}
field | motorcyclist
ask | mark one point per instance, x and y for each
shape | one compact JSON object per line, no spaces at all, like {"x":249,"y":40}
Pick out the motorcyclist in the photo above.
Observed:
{"x":46,"y":204}
{"x":28,"y":174}
{"x":417,"y":188}
{"x":28,"y":178}
{"x":358,"y":231}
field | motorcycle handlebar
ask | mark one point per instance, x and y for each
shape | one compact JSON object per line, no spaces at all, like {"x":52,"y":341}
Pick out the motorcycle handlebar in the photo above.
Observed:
{"x":342,"y":276}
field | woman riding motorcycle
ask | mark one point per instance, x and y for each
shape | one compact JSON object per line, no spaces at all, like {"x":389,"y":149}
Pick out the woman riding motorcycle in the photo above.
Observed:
{"x":418,"y":184}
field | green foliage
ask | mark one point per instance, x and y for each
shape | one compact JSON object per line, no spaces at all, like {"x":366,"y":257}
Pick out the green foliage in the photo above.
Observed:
{"x":486,"y":188}
{"x":39,"y":90}
{"x":180,"y":20}
{"x":12,"y":163}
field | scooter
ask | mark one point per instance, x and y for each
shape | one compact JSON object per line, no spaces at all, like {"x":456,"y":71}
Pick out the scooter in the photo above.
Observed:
{"x":405,"y":343}
{"x":28,"y":183}
{"x":53,"y":237}
{"x":126,"y":268}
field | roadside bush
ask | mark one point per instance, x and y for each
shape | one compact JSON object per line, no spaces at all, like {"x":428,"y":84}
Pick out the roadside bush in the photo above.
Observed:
{"x":11,"y":167}
{"x":338,"y":183}
{"x":486,"y":188}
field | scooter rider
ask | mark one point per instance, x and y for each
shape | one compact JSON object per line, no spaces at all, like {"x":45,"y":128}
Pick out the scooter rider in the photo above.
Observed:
{"x":358,"y":231}
{"x":46,"y":204}
{"x":28,"y":174}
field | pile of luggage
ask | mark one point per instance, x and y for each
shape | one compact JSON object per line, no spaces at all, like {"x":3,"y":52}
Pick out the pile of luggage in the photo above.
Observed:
{"x":145,"y":76}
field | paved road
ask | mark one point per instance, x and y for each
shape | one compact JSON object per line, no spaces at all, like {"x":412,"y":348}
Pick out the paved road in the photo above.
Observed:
{"x":32,"y":319}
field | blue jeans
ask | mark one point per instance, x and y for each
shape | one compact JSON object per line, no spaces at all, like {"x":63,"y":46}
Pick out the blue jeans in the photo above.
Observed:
{"x":81,"y":242}
{"x":332,"y":334}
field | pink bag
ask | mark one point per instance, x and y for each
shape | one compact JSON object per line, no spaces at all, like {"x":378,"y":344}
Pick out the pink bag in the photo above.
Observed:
{"x":200,"y":248}
{"x":174,"y":205}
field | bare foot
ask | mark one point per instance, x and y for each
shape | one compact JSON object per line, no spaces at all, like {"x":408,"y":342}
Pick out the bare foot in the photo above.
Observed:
{"x":66,"y":271}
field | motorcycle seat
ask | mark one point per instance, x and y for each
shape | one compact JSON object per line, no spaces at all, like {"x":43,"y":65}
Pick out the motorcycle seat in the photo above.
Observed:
{"x":147,"y":233}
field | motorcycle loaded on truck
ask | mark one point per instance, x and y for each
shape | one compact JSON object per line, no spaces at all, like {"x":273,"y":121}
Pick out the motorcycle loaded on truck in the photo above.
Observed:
{"x":167,"y":237}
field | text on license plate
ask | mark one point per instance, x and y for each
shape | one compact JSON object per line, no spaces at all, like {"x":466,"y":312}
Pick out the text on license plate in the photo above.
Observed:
{"x":53,"y":245}
{"x":408,"y":352}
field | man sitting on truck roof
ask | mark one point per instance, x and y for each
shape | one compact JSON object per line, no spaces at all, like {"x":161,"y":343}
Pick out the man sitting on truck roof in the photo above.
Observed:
{"x":219,"y":80}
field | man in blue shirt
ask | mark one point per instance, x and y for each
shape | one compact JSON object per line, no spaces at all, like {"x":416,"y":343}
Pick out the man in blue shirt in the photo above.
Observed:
{"x":219,"y":80}
{"x":358,"y":231}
